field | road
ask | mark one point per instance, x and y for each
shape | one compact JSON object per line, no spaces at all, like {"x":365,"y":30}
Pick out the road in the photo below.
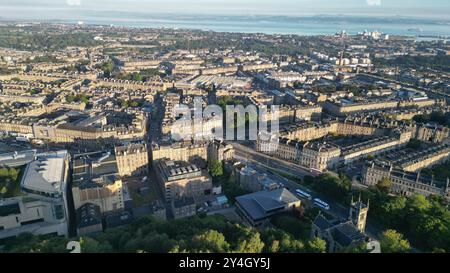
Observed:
{"x":248,"y":154}
{"x":155,"y":133}
{"x":262,"y":162}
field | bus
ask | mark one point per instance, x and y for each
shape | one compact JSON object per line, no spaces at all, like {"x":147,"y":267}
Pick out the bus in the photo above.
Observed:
{"x":315,"y":172}
{"x":321,"y":204}
{"x":303,"y":194}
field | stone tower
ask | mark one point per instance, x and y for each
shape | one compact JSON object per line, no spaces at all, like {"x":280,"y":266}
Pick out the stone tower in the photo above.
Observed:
{"x":358,"y":214}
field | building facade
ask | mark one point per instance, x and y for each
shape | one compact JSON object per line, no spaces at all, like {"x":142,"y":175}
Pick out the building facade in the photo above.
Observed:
{"x":132,"y":160}
{"x":320,"y":156}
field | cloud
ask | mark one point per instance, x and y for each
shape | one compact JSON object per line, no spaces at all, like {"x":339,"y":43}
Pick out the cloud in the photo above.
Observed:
{"x":373,"y":2}
{"x":73,"y":2}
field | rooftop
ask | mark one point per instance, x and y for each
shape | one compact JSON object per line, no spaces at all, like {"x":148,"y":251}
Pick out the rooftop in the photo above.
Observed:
{"x":46,"y":173}
{"x":261,"y":204}
{"x":175,"y":170}
{"x":95,"y":166}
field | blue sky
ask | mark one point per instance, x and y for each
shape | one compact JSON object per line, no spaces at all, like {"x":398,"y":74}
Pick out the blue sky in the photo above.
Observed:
{"x":51,"y":9}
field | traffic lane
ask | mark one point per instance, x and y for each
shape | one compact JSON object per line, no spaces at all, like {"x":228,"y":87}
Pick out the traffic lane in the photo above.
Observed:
{"x":274,"y":163}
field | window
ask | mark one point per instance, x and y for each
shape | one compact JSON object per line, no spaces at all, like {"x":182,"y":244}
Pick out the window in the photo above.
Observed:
{"x":33,"y":221}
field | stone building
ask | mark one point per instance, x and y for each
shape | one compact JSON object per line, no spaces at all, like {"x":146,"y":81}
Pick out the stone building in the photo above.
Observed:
{"x":179,"y":179}
{"x":320,"y":156}
{"x":180,"y":151}
{"x":132,"y":160}
{"x":341,"y":234}
{"x":404,"y":183}
{"x":252,"y":181}
{"x":89,"y":219}
{"x":219,"y":150}
{"x":184,"y":207}
{"x":96,"y":180}
{"x":431,"y":133}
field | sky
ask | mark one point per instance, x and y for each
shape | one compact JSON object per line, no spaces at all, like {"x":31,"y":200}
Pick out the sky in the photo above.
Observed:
{"x":58,"y":9}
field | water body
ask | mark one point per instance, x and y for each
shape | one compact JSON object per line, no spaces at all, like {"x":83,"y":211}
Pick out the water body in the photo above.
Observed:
{"x":304,"y":25}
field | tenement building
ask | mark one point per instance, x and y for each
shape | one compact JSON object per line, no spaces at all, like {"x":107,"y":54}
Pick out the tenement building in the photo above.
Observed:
{"x":320,"y":156}
{"x":283,"y":148}
{"x":431,"y":133}
{"x":132,"y":160}
{"x":412,"y":162}
{"x":374,"y":146}
{"x":180,"y":151}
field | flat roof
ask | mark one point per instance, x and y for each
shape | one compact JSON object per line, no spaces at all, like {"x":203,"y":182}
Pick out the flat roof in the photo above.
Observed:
{"x":46,"y":173}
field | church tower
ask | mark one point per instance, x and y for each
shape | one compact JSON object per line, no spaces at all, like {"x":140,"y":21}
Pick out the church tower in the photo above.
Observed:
{"x":358,"y":214}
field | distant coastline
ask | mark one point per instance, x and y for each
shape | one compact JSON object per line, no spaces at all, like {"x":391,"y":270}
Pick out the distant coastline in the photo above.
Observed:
{"x":300,"y":25}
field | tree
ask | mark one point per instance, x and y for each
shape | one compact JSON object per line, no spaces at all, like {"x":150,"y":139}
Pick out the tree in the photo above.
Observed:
{"x":274,"y":246}
{"x":277,"y":240}
{"x":124,"y":103}
{"x":210,"y":241}
{"x":293,"y":225}
{"x":70,"y":98}
{"x":231,"y":188}
{"x":215,"y":168}
{"x":249,"y":242}
{"x":88,"y":245}
{"x":331,"y":186}
{"x":316,"y":245}
{"x":392,"y":211}
{"x":137,"y":77}
{"x":356,"y":248}
{"x":384,"y":185}
{"x":418,"y":202}
{"x":107,"y":68}
{"x":392,"y":241}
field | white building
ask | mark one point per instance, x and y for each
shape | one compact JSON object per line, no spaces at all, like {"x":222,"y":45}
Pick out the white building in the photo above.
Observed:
{"x":41,"y":206}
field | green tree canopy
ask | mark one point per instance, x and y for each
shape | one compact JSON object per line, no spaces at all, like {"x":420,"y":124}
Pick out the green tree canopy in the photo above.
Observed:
{"x":210,"y":241}
{"x":215,"y":168}
{"x":392,"y":241}
{"x":316,"y":245}
{"x":384,"y":185}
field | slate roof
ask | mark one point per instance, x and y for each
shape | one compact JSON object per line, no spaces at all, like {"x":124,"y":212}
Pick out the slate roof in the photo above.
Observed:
{"x":259,"y":205}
